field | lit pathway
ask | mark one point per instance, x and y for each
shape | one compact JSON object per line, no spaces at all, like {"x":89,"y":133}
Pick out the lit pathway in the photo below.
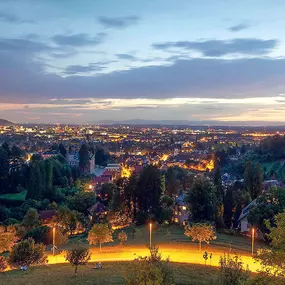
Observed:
{"x":175,"y":252}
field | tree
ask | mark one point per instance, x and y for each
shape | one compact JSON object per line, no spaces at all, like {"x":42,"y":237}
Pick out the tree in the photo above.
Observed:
{"x":149,"y":192}
{"x":31,"y":219}
{"x":269,"y":204}
{"x":122,"y":237}
{"x":200,"y":232}
{"x":3,"y":263}
{"x":81,"y":201}
{"x":203,"y":200}
{"x":220,"y":197}
{"x":119,"y":219}
{"x":35,"y":183}
{"x":100,"y":233}
{"x":232,"y":271}
{"x":253,"y":179}
{"x":7,"y":238}
{"x":273,"y":258}
{"x":84,"y":158}
{"x":116,"y":201}
{"x":26,"y":253}
{"x":130,"y":195}
{"x":101,"y":158}
{"x":4,"y":170}
{"x":78,"y":256}
{"x":108,"y":190}
{"x":62,"y":149}
{"x":66,"y":219}
{"x":172,"y":183}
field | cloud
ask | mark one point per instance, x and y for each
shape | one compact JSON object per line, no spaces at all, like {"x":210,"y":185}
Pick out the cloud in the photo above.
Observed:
{"x":239,"y":27}
{"x":126,"y":56}
{"x":79,"y":40}
{"x":13,"y":19}
{"x":22,"y":46}
{"x":118,"y":22}
{"x":79,"y":69}
{"x":24,"y":80}
{"x":218,"y":48}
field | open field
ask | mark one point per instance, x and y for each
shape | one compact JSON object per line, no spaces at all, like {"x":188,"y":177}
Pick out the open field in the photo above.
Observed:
{"x":173,"y":236}
{"x":112,"y":273}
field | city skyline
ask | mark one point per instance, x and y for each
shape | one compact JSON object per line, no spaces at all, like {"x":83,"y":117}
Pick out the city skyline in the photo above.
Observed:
{"x":81,"y":61}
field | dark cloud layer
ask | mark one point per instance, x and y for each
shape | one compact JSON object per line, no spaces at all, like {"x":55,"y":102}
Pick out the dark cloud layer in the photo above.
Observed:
{"x":79,"y":40}
{"x":217,"y":48}
{"x":239,"y":27}
{"x":118,"y":22}
{"x":126,"y":56}
{"x":24,"y":80}
{"x":78,"y":69}
{"x":13,"y":19}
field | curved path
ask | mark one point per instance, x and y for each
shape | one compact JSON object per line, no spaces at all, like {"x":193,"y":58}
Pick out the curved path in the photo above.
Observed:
{"x":175,"y":252}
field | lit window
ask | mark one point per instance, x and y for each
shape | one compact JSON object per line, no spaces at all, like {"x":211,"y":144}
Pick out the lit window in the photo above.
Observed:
{"x":184,"y":208}
{"x":180,"y":213}
{"x":176,"y":220}
{"x":175,"y":212}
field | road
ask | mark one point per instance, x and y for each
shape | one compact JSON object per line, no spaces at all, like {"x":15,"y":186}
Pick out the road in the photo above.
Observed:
{"x":175,"y":252}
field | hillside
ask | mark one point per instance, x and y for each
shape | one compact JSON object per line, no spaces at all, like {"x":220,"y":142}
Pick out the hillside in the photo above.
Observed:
{"x":5,"y":123}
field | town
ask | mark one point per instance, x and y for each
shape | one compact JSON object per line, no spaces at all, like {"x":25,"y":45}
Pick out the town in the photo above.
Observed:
{"x":121,"y":182}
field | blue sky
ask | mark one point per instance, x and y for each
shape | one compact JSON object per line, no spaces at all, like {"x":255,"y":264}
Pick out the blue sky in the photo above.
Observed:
{"x":77,"y":61}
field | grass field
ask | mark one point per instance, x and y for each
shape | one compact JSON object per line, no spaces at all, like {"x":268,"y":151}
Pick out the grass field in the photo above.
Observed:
{"x":15,"y":196}
{"x":112,"y":273}
{"x":175,"y":235}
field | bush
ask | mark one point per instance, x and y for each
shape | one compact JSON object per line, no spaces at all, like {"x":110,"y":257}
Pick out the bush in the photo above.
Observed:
{"x":39,"y":234}
{"x":3,"y":263}
{"x":27,"y":253}
{"x":232,"y":271}
{"x":151,"y":270}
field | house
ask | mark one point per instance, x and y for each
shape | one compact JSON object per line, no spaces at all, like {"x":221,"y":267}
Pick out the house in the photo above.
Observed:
{"x":97,"y":182}
{"x":180,"y":211}
{"x":98,"y":212}
{"x":49,"y":154}
{"x":243,"y":223}
{"x":47,"y":216}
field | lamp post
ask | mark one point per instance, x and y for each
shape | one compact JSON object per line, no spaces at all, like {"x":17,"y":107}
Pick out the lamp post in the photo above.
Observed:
{"x":53,"y":241}
{"x":150,"y":233}
{"x":252,"y":241}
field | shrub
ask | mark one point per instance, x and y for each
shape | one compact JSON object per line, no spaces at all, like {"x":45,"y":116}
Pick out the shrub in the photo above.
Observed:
{"x":3,"y":263}
{"x":27,"y":253}
{"x":151,"y":270}
{"x":232,"y":271}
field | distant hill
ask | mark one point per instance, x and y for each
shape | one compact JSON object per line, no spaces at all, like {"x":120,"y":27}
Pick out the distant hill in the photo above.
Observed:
{"x":141,"y":122}
{"x":5,"y":123}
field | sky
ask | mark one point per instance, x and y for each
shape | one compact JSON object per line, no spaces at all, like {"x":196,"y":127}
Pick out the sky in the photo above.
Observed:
{"x":88,"y":61}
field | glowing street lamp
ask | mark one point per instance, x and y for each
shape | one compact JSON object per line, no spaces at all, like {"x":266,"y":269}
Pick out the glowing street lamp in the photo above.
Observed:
{"x":252,"y":241}
{"x":53,"y":241}
{"x":150,"y":233}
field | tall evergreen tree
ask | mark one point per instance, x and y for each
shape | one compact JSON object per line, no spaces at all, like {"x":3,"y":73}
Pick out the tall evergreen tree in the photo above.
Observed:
{"x":62,"y":150}
{"x":35,"y":182}
{"x":4,"y":170}
{"x":149,"y":191}
{"x":203,"y":200}
{"x":84,"y":158}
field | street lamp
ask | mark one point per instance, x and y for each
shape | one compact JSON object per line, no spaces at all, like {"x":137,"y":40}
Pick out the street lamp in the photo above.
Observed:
{"x":252,"y":241}
{"x":150,"y":233}
{"x":53,"y":241}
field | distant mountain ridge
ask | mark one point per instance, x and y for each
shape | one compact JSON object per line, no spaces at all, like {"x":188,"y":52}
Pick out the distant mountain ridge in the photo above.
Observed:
{"x":4,"y":122}
{"x":141,"y":122}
